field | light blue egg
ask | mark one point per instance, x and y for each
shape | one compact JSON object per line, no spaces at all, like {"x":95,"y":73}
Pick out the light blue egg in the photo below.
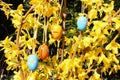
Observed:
{"x":32,"y":62}
{"x":81,"y":23}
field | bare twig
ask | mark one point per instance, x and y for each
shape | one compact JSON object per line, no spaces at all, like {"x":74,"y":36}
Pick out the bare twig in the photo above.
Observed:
{"x":64,"y":26}
{"x":18,"y":44}
{"x":118,"y":12}
{"x":20,"y":27}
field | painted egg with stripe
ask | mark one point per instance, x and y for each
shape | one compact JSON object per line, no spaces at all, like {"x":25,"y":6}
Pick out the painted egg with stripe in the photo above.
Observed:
{"x":81,"y":23}
{"x":32,"y":62}
{"x":43,"y":51}
{"x":56,"y":31}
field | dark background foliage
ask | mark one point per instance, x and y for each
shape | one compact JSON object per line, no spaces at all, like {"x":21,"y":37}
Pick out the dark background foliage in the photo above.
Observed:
{"x":6,"y":29}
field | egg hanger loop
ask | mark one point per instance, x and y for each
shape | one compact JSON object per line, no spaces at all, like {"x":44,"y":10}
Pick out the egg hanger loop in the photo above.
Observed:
{"x":83,"y":10}
{"x":35,"y":35}
{"x":61,"y":6}
{"x":45,"y":30}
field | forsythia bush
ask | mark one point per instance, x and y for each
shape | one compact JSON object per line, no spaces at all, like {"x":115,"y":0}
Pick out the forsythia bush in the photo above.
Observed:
{"x":86,"y":55}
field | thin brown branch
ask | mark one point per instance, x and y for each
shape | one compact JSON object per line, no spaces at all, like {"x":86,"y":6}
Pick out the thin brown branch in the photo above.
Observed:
{"x":28,"y":12}
{"x":110,"y":17}
{"x":18,"y":44}
{"x":20,"y":27}
{"x":64,"y":26}
{"x":118,"y":12}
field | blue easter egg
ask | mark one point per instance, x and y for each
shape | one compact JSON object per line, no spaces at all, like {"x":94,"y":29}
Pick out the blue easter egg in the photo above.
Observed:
{"x":81,"y":23}
{"x":32,"y":62}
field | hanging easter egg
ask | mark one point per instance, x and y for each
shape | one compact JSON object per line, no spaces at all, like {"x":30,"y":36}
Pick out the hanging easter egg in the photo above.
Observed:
{"x":56,"y":31}
{"x":32,"y":62}
{"x":81,"y":23}
{"x":43,"y":51}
